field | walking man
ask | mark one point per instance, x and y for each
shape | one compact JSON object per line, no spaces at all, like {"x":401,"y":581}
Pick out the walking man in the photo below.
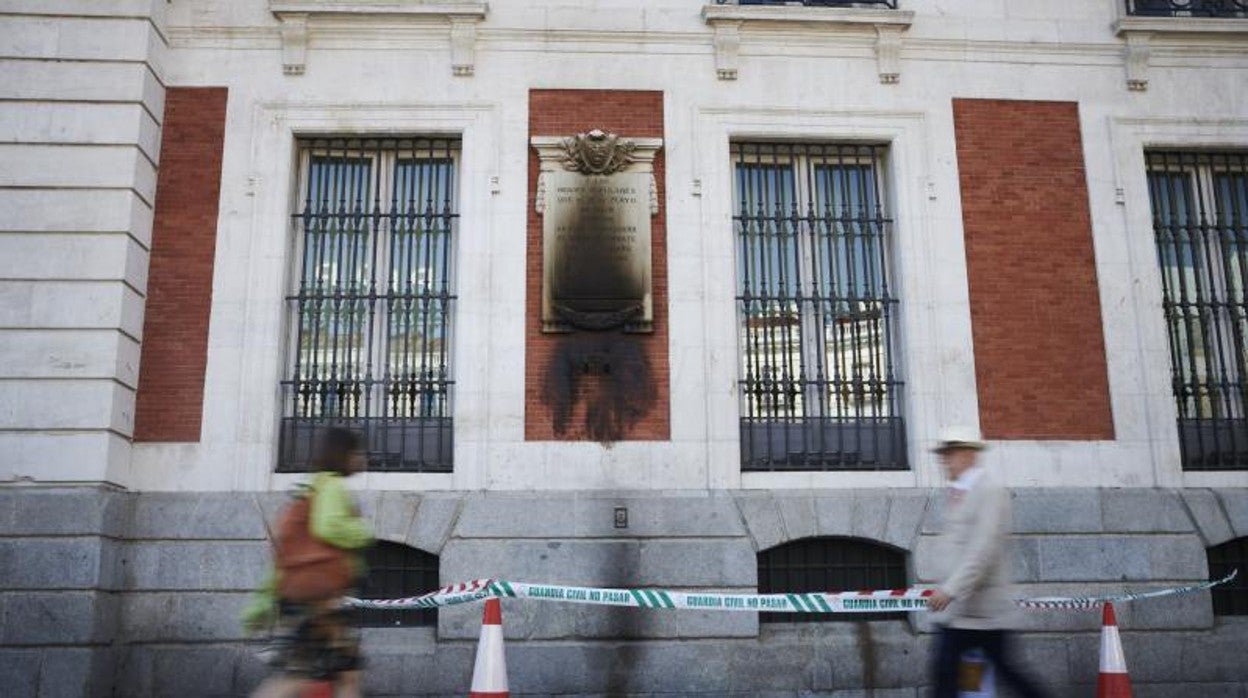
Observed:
{"x":972,"y":604}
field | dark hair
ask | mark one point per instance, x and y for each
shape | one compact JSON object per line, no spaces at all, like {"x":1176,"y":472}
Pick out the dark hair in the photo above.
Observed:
{"x":335,"y":448}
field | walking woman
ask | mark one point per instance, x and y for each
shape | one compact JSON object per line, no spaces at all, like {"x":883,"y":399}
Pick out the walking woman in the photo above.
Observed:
{"x":317,"y":562}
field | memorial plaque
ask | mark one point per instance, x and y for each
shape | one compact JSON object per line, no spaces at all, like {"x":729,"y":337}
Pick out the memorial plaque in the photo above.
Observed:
{"x":597,"y":195}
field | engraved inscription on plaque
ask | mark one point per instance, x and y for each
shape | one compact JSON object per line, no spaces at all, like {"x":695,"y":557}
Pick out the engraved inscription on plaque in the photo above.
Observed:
{"x":597,"y":196}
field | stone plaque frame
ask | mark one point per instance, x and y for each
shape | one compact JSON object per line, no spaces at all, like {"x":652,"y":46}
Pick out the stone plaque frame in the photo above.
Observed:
{"x":594,"y":155}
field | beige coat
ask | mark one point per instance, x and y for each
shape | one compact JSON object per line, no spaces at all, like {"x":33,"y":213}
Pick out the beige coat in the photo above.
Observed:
{"x":972,"y":558}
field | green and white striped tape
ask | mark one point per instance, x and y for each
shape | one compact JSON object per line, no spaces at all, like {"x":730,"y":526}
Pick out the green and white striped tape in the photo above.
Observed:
{"x":868,"y":601}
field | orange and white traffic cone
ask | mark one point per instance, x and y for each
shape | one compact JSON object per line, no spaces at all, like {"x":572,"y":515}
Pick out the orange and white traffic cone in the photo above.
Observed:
{"x":318,"y":689}
{"x":489,"y":675}
{"x":1114,"y":681}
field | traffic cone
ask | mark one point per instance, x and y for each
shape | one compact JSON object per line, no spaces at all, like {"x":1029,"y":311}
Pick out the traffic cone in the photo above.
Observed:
{"x":318,"y":689}
{"x":1114,"y":681}
{"x":489,"y":675}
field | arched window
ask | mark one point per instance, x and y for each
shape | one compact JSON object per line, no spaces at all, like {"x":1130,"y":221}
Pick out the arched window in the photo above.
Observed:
{"x":396,"y":571}
{"x":1230,"y":599}
{"x":829,"y":564}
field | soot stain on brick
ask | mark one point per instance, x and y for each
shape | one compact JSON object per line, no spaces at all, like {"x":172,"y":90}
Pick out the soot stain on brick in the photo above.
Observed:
{"x":610,"y":372}
{"x":599,"y":294}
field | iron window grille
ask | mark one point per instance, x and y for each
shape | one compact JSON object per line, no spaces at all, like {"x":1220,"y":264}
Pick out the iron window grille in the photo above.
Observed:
{"x":889,"y":4}
{"x":828,"y":565}
{"x":397,"y":571}
{"x":1230,"y":599}
{"x":374,"y":300}
{"x":818,"y":384}
{"x":1200,"y":223}
{"x":1188,"y":8}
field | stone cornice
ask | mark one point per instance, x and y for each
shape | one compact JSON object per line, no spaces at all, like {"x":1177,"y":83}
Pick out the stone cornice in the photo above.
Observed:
{"x":462,"y":17}
{"x":888,"y":25}
{"x":1138,"y":33}
{"x":412,"y":8}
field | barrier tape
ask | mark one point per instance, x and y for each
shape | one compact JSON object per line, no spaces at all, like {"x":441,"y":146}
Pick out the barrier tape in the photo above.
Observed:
{"x":869,"y":601}
{"x":1085,"y":602}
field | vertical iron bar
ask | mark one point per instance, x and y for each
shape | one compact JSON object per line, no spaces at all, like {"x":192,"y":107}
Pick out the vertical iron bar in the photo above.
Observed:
{"x":1231,"y":346}
{"x":445,"y":408}
{"x":1215,"y":363}
{"x":891,"y":382}
{"x":318,"y":269}
{"x":808,"y":311}
{"x":866,"y":168}
{"x":1182,"y":238}
{"x":786,"y":227}
{"x":825,"y":274}
{"x":1237,"y":224}
{"x":1159,"y":190}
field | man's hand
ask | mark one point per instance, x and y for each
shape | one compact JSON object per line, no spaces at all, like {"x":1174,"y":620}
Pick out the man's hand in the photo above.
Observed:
{"x":939,"y":601}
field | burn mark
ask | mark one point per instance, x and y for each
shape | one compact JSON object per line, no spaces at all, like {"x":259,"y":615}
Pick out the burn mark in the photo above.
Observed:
{"x":610,"y":373}
{"x":596,"y":266}
{"x":867,"y":656}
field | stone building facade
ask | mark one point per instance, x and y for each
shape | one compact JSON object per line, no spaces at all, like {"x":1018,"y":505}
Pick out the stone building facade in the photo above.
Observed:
{"x":1031,"y":218}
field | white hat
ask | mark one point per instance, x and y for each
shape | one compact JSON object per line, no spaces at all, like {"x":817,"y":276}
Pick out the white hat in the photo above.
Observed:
{"x":959,"y":437}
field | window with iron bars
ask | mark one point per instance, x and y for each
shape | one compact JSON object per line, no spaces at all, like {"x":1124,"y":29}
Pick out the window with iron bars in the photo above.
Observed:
{"x":397,"y":571}
{"x":1230,"y":599}
{"x":373,"y":300}
{"x":1188,"y":8}
{"x":828,"y":565}
{"x":1200,"y":223}
{"x":818,"y":384}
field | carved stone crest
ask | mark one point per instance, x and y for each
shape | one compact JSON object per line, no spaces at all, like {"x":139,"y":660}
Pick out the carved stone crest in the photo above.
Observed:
{"x":597,"y":153}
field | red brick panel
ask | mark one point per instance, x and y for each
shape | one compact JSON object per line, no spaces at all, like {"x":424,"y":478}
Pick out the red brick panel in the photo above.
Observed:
{"x":637,"y":114}
{"x":1035,"y":310}
{"x":179,"y":287}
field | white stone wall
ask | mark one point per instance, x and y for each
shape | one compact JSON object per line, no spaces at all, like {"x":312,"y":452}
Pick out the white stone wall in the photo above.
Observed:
{"x":79,"y":145}
{"x":393,"y":73}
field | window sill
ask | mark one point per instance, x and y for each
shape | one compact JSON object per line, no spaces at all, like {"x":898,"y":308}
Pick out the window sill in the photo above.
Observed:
{"x":1139,"y":31}
{"x":803,"y":13}
{"x":888,"y":26}
{"x":461,"y":17}
{"x":394,"y":7}
{"x":1181,"y":25}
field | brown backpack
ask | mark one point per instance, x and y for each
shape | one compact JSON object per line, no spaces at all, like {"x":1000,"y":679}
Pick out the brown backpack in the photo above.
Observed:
{"x":309,"y":569}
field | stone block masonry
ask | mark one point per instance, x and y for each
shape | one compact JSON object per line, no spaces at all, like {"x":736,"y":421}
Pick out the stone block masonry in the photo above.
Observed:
{"x":80,"y":133}
{"x":112,"y":593}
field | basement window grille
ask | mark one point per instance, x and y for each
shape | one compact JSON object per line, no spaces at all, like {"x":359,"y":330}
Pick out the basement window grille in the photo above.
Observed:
{"x":373,"y":302}
{"x":818,"y":384}
{"x":1200,"y":224}
{"x":396,"y":571}
{"x":829,"y":564}
{"x":1230,"y":599}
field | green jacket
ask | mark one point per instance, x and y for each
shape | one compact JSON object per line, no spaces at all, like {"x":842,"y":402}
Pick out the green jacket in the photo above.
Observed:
{"x":335,"y":520}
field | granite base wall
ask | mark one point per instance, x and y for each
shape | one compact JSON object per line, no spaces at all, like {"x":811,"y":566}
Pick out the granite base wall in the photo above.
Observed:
{"x":108,"y":593}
